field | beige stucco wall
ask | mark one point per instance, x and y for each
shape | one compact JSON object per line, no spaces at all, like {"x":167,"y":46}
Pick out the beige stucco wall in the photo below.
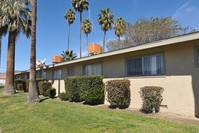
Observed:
{"x":177,"y":96}
{"x":180,"y":81}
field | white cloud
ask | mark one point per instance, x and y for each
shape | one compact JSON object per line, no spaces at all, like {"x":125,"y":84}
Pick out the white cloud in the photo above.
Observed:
{"x":187,"y":14}
{"x":183,"y":10}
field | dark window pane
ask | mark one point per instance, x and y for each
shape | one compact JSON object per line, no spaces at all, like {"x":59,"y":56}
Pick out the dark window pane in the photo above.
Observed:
{"x":134,"y":66}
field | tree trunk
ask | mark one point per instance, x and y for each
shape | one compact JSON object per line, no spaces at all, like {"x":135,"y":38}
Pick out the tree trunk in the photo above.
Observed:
{"x":9,"y":85}
{"x":87,"y":40}
{"x":119,"y":45}
{"x":104,"y":41}
{"x":33,"y":94}
{"x":68,"y":37}
{"x":80,"y":35}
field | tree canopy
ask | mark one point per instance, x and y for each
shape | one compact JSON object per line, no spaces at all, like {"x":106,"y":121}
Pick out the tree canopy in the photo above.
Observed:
{"x":147,"y":30}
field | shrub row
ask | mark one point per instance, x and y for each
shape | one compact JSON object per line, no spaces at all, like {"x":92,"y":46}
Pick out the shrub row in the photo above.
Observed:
{"x":118,"y":93}
{"x":41,"y":84}
{"x":152,"y":98}
{"x":89,"y":89}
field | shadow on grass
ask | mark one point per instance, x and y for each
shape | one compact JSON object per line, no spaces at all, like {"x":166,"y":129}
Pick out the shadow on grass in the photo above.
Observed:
{"x":43,"y":99}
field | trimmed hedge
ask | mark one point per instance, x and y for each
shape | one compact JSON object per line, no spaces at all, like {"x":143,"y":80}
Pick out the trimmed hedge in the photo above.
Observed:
{"x":20,"y":85}
{"x":152,"y":98}
{"x":119,"y":94}
{"x":89,"y":89}
{"x":63,"y":96}
{"x":51,"y":92}
{"x":73,"y":89}
{"x":39,"y":81}
{"x":43,"y":87}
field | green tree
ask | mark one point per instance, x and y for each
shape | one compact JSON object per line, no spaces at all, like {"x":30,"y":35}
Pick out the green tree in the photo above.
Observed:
{"x":14,"y":19}
{"x":68,"y":55}
{"x":87,"y":28}
{"x":33,"y":94}
{"x":119,"y":28}
{"x":148,"y":30}
{"x":70,"y":18}
{"x":106,"y":19}
{"x":80,"y":6}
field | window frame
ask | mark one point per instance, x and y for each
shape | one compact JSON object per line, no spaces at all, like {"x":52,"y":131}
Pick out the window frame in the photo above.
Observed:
{"x":142,"y":58}
{"x":73,"y":74}
{"x":60,"y":74}
{"x":84,"y":65}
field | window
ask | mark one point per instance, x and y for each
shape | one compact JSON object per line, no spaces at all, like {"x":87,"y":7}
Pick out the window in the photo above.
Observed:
{"x":43,"y":74}
{"x":146,"y":65}
{"x":197,"y":56}
{"x":57,"y":74}
{"x":70,"y":71}
{"x":93,"y":69}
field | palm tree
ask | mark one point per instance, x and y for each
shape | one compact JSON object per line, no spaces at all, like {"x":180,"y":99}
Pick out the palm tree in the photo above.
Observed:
{"x":80,"y":6}
{"x":15,"y":17}
{"x":68,"y":55}
{"x":119,"y":28}
{"x":70,"y":18}
{"x":87,"y":28}
{"x":33,"y":94}
{"x":106,"y":19}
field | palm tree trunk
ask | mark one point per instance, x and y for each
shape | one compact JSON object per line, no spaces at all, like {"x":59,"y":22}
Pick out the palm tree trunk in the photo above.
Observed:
{"x":80,"y":35}
{"x":33,"y":94}
{"x":87,"y":40}
{"x":104,"y":41}
{"x":68,"y":36}
{"x":9,"y":85}
{"x":119,"y":45}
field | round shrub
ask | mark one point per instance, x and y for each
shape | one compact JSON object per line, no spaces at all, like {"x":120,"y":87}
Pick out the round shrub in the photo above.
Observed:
{"x":118,"y":93}
{"x":152,"y":98}
{"x":51,"y":92}
{"x":63,"y":96}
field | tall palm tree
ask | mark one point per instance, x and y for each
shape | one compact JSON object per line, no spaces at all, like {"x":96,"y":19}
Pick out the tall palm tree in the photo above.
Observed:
{"x":80,"y":6}
{"x":119,"y":28}
{"x":106,"y":19}
{"x":87,"y":28}
{"x":33,"y":94}
{"x":70,"y":18}
{"x":15,"y":18}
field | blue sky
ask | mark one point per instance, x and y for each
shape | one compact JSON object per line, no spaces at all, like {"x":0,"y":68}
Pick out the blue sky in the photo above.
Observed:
{"x":52,"y":28}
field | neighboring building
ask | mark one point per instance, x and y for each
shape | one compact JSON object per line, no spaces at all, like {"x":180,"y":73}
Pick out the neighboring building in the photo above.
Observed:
{"x":2,"y":78}
{"x":171,"y":63}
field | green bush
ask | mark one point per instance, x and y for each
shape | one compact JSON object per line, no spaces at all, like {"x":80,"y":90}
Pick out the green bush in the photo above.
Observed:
{"x":92,"y":90}
{"x":43,"y":87}
{"x":38,"y":81}
{"x":20,"y":85}
{"x":63,"y":96}
{"x":71,"y":87}
{"x":89,"y":89}
{"x":119,"y":94}
{"x":152,"y":98}
{"x":51,"y":92}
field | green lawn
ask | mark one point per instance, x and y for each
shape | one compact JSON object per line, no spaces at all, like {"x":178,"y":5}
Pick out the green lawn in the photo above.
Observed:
{"x":52,"y":116}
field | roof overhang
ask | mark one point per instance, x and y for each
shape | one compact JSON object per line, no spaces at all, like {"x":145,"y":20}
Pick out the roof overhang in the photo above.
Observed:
{"x":170,"y":41}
